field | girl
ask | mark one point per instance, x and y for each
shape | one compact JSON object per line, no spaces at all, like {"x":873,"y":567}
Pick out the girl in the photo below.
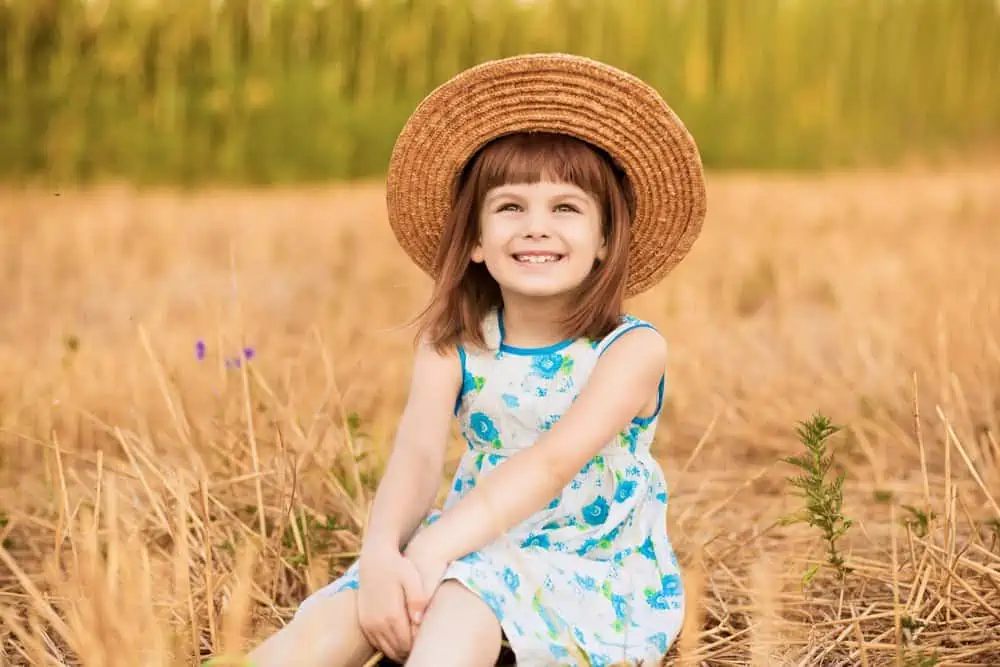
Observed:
{"x":539,"y":191}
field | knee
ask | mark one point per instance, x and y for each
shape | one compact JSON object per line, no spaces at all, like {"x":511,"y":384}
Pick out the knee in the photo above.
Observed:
{"x":458,"y":628}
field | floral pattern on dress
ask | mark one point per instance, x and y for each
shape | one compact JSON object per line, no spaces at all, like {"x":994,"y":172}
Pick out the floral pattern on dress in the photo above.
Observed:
{"x":593,"y":575}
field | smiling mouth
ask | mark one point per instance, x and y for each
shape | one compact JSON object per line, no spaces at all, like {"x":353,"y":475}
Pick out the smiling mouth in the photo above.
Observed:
{"x":537,"y":258}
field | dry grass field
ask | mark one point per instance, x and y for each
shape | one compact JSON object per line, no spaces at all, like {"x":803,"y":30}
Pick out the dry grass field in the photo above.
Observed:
{"x":158,"y":506}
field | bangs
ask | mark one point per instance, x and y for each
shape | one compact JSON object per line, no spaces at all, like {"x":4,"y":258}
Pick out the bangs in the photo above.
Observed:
{"x":542,"y":156}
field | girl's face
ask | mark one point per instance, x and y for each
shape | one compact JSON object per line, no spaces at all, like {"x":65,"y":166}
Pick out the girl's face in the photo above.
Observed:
{"x":539,"y":239}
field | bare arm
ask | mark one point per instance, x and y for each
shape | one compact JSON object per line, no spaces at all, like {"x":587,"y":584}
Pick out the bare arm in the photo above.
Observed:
{"x":621,"y":384}
{"x":412,"y":477}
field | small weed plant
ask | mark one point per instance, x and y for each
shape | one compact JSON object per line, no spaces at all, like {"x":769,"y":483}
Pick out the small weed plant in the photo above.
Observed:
{"x":824,"y":498}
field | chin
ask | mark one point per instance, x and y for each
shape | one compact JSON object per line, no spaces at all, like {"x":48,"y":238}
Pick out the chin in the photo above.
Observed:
{"x":539,"y":286}
{"x":538,"y":291}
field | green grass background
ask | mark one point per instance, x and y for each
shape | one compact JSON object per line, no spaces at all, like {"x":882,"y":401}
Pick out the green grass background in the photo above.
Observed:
{"x":279,"y":91}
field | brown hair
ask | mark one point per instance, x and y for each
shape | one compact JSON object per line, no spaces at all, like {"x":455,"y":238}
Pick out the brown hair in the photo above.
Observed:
{"x":464,"y":291}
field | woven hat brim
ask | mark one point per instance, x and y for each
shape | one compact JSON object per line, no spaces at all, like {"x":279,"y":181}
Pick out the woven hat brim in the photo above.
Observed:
{"x":570,"y":94}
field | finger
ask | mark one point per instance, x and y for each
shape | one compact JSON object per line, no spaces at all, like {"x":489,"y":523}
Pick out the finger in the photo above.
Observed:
{"x":391,"y":641}
{"x":387,"y":645}
{"x":414,"y":593}
{"x":402,"y":635}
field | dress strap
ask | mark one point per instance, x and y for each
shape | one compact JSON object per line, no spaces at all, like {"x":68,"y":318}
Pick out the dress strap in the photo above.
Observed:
{"x":628,"y":323}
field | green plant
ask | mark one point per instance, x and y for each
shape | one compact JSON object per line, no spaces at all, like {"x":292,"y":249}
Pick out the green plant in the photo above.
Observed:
{"x":824,"y":498}
{"x":919,"y":521}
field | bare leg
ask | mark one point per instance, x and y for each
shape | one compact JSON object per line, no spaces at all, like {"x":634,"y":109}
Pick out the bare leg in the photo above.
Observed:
{"x":458,"y":628}
{"x":326,"y":634}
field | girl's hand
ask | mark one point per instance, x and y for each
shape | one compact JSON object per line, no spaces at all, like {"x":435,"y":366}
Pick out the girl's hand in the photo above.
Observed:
{"x":430,"y":566}
{"x":389,"y":588}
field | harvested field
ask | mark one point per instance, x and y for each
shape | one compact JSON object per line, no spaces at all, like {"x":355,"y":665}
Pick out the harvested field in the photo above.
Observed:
{"x":159,"y":505}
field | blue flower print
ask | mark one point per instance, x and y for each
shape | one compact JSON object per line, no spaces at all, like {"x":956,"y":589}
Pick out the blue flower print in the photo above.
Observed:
{"x":600,"y":660}
{"x":472,"y":558}
{"x":547,"y":365}
{"x":671,"y":585}
{"x":464,"y":484}
{"x":587,"y":546}
{"x":494,"y":601}
{"x":511,"y":579}
{"x":558,"y":651}
{"x":656,"y":599}
{"x":537,"y":540}
{"x":511,"y":401}
{"x":549,"y":422}
{"x":596,"y":512}
{"x":647,"y":549}
{"x":620,"y":603}
{"x":629,"y":438}
{"x":470,"y":383}
{"x":665,"y":598}
{"x":660,"y":641}
{"x":484,"y":428}
{"x":624,"y":491}
{"x":586,"y":582}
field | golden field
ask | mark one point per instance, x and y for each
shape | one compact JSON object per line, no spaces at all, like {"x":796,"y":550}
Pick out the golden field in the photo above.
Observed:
{"x":157,"y":508}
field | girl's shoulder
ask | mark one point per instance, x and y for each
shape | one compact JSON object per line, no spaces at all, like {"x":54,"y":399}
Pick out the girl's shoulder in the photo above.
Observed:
{"x":627,"y":322}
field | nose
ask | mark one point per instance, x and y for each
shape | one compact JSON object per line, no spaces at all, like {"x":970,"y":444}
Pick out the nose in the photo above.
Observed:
{"x":537,"y":224}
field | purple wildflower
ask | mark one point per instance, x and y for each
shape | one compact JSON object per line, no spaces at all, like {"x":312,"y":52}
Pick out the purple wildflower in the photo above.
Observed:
{"x":199,"y":350}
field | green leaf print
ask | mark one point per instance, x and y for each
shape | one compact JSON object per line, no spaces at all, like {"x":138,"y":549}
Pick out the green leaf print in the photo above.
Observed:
{"x":545,"y":614}
{"x":478,"y":381}
{"x":567,"y":366}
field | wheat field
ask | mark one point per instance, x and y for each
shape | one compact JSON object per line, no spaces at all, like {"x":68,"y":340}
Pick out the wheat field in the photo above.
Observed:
{"x":197,"y":390}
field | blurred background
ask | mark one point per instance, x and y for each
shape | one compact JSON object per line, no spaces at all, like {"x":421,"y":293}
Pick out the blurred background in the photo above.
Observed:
{"x":278,"y":91}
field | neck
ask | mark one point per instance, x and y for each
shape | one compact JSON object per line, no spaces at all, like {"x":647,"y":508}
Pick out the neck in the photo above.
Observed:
{"x":532,"y":322}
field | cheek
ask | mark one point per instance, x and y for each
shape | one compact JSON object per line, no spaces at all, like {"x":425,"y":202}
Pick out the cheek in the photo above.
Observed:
{"x":493,"y":238}
{"x":587,"y":241}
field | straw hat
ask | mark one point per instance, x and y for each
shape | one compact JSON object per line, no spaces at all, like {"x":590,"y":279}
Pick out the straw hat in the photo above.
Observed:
{"x":551,"y":92}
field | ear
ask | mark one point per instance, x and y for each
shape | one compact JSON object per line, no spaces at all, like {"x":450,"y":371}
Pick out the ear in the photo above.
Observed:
{"x":602,"y":251}
{"x":477,"y":255}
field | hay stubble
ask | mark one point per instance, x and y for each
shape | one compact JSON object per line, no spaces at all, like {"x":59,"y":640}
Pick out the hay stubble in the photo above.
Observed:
{"x":157,"y":508}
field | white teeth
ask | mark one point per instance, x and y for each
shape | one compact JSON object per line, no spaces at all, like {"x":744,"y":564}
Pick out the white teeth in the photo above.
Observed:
{"x":536,"y":259}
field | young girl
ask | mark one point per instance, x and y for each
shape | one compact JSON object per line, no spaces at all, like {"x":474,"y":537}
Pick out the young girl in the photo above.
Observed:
{"x":539,"y":191}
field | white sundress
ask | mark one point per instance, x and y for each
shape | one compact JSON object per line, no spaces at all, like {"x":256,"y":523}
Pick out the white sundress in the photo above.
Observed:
{"x":594,"y":573}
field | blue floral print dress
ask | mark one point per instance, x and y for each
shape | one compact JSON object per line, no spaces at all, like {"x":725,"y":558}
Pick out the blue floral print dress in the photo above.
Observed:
{"x":592,"y":578}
